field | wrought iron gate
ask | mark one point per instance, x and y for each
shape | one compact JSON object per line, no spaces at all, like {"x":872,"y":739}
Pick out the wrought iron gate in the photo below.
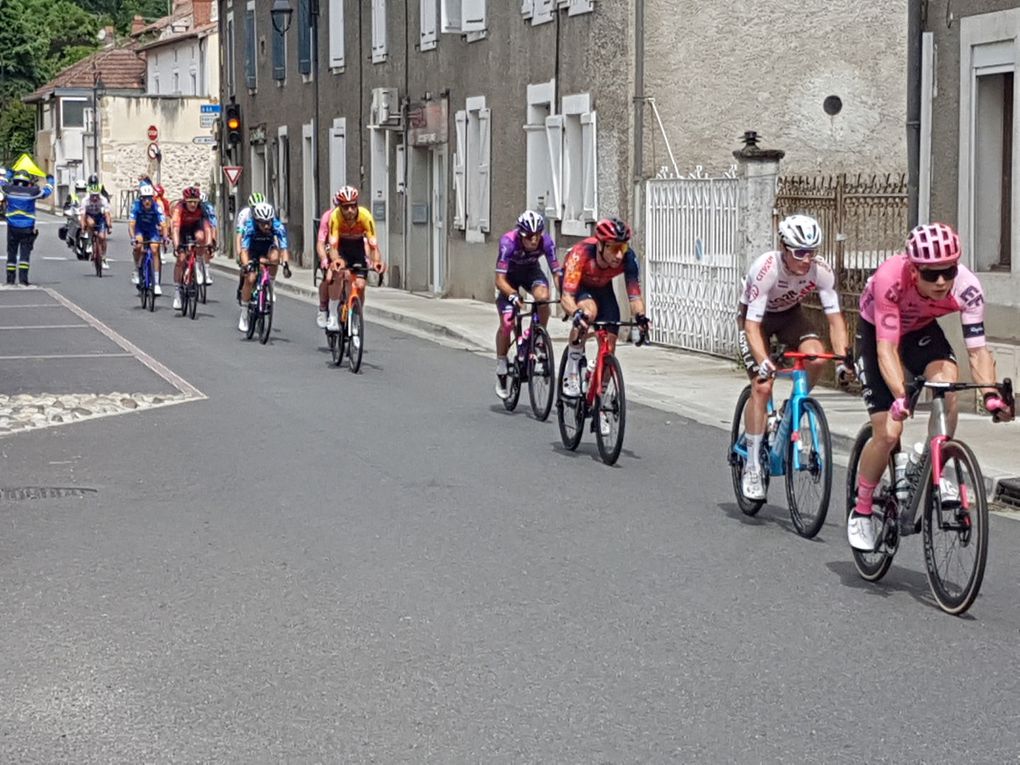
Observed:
{"x":693,"y":267}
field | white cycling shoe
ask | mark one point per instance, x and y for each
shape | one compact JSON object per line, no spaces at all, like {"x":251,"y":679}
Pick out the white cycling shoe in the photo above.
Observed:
{"x":752,"y":486}
{"x":862,"y":532}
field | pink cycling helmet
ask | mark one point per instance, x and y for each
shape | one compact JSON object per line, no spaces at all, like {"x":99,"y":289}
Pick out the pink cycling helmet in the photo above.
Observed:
{"x":933,"y":244}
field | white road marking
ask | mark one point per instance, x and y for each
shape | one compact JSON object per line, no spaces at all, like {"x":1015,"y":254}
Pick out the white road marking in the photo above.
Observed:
{"x":171,"y":377}
{"x":53,"y":257}
{"x":30,"y":305}
{"x":50,"y":326}
{"x":72,"y":356}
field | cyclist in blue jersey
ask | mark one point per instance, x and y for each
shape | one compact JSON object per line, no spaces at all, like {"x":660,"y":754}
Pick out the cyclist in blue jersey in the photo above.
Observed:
{"x":146,"y":223}
{"x":210,"y":213}
{"x":521,"y":250}
{"x":264,"y":237}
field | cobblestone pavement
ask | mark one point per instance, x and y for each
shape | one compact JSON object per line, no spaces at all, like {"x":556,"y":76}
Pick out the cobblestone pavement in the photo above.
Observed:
{"x":29,"y":411}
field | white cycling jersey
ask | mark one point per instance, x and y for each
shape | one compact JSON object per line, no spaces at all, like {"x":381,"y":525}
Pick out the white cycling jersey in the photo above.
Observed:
{"x":95,"y":205}
{"x":242,"y":219}
{"x":770,"y":288}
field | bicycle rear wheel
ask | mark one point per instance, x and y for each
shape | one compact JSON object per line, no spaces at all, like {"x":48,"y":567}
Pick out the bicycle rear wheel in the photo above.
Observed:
{"x":610,"y":411}
{"x":808,"y":488}
{"x":569,"y":411}
{"x":872,"y":566}
{"x":540,"y":374}
{"x":266,"y":314}
{"x":736,"y":460}
{"x":356,"y":342}
{"x":956,"y":536}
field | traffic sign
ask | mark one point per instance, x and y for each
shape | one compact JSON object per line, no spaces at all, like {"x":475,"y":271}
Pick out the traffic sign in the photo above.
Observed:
{"x":207,"y":120}
{"x":153,"y":151}
{"x":152,"y":133}
{"x":209,"y":109}
{"x":205,"y":140}
{"x":232,"y":173}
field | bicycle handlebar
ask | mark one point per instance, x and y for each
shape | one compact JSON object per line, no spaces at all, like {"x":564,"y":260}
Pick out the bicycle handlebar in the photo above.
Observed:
{"x":916,"y":386}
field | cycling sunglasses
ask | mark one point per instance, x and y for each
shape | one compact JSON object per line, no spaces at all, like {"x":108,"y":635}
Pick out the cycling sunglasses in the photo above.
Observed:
{"x":802,"y":254}
{"x":353,"y":206}
{"x":932,"y":275}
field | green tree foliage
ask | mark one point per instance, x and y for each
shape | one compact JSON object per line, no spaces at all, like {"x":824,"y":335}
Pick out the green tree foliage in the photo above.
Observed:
{"x":17,"y":131}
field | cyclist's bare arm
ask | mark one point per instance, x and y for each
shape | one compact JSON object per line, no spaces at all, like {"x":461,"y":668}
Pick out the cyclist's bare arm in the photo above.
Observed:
{"x":503,"y":285}
{"x":756,"y":339}
{"x":982,"y":367}
{"x":837,"y":334}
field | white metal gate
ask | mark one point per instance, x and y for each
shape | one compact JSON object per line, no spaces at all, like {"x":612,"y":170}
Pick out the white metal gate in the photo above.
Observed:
{"x":693,"y":266}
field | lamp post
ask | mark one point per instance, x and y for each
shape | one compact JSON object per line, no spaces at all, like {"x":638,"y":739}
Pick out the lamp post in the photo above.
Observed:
{"x":282,"y":13}
{"x":97,"y":85}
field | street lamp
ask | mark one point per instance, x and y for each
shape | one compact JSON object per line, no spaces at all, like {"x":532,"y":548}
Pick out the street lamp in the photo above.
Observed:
{"x":281,"y":14}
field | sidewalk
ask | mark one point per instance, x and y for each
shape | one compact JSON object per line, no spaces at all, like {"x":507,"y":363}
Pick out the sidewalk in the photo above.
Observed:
{"x":702,"y":388}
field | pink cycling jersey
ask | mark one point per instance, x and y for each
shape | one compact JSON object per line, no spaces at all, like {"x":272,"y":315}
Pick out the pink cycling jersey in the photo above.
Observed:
{"x":770,"y":288}
{"x":891,"y":302}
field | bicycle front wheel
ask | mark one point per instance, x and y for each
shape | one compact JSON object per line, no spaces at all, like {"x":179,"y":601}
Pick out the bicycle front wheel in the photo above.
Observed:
{"x":356,"y":342}
{"x":610,"y":411}
{"x":955,"y":530}
{"x":337,"y":344}
{"x":540,"y":374}
{"x":737,"y":443}
{"x":253,"y":314}
{"x":266,"y":315}
{"x":97,"y":261}
{"x":872,"y":566}
{"x":193,"y":302}
{"x":513,"y":376}
{"x":569,"y":410}
{"x":808,"y":486}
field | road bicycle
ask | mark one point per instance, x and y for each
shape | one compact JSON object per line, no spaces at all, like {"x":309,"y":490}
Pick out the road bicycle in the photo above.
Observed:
{"x":602,"y":396}
{"x":531,"y":362}
{"x":147,"y":278}
{"x":802,"y":454}
{"x":260,"y":307}
{"x":97,"y":258}
{"x":947,"y":487}
{"x":349,"y":340}
{"x":191,"y":290}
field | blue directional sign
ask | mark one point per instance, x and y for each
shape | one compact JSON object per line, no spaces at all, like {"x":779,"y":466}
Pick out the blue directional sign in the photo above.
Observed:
{"x":210,"y":109}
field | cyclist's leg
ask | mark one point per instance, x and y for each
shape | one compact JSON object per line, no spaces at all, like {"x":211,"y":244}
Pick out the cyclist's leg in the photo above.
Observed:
{"x":506,"y":322}
{"x":796,"y":332}
{"x":154,"y":248}
{"x":938,"y":360}
{"x":539,"y":288}
{"x":248,"y":283}
{"x":575,"y":350}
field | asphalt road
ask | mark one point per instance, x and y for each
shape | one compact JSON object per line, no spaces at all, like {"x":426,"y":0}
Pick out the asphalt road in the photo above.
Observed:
{"x":312,"y":566}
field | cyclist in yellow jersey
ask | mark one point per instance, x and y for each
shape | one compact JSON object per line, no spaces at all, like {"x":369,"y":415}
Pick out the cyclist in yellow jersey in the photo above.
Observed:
{"x":352,"y":243}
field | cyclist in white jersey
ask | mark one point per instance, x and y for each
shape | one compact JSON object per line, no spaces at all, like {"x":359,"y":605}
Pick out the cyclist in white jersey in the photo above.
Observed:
{"x":770,"y":304}
{"x":95,"y":215}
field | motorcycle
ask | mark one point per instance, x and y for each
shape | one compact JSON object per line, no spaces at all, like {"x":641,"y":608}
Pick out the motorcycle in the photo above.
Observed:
{"x":75,"y":237}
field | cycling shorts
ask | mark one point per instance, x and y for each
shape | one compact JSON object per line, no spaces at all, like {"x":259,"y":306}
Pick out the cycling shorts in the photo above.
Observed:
{"x":529,"y":277}
{"x":98,"y":222}
{"x":917,"y":350}
{"x":790,"y":328}
{"x":608,"y":309}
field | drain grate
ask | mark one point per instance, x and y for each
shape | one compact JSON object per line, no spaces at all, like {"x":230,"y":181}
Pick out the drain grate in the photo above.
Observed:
{"x":1008,"y":493}
{"x":43,"y":492}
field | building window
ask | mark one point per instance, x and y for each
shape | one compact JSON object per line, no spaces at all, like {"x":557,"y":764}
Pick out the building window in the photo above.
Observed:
{"x":282,"y":192}
{"x":429,"y":13}
{"x":250,"y":53}
{"x":463,"y":17}
{"x":471,"y":167}
{"x":336,"y":34}
{"x":279,"y":56}
{"x":304,"y":32}
{"x":72,"y":113}
{"x":177,"y":84}
{"x":378,"y":31}
{"x":579,"y":170}
{"x":155,"y":84}
{"x":194,"y":83}
{"x":338,"y":153}
{"x":228,"y":59}
{"x":544,"y":146}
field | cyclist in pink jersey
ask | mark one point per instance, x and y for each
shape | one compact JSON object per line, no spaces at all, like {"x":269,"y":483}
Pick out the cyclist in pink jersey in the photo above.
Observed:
{"x":770,"y":304}
{"x":322,"y":250}
{"x":898,"y":335}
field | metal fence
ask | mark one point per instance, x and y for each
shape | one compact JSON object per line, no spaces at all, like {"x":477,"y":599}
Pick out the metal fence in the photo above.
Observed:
{"x":864,"y":220}
{"x":693,"y":266}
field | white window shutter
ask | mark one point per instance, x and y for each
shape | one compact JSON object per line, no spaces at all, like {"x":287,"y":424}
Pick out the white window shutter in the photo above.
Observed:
{"x":589,"y":153}
{"x":484,"y":165}
{"x":449,"y":19}
{"x":429,"y":19}
{"x":527,"y":8}
{"x":378,"y":31}
{"x":543,"y":12}
{"x":459,"y":216}
{"x":554,"y":137}
{"x":577,"y":7}
{"x":336,"y":33}
{"x":472,"y":16}
{"x":338,"y":154}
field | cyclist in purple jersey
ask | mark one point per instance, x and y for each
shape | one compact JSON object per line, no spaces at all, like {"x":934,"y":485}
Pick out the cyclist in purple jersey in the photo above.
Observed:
{"x":520,"y":252}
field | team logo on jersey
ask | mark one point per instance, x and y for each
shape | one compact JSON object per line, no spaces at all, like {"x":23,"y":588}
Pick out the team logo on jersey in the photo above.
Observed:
{"x":751,"y":293}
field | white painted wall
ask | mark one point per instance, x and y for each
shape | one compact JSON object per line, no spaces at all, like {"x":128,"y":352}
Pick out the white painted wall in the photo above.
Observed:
{"x":194,"y":62}
{"x":718,"y":69}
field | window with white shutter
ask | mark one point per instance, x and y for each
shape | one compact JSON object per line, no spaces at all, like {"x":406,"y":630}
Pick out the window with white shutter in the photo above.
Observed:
{"x":540,"y":179}
{"x":378,"y":31}
{"x":580,"y":177}
{"x":250,"y":54}
{"x":473,"y":15}
{"x":335,"y":22}
{"x":282,"y":192}
{"x":429,"y":24}
{"x":554,"y":143}
{"x":482,"y":173}
{"x":229,"y":60}
{"x":543,"y":12}
{"x":577,"y":7}
{"x":527,"y":8}
{"x":459,"y":176}
{"x":477,"y":151}
{"x":337,"y":155}
{"x":449,"y":16}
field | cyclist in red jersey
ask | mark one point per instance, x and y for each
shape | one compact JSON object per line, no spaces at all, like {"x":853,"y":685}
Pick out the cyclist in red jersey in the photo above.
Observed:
{"x":589,"y":270}
{"x":189,"y":220}
{"x":898,"y":334}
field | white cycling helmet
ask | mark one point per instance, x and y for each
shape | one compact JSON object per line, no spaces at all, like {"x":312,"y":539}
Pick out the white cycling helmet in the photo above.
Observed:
{"x":263,"y":212}
{"x":530,"y":222}
{"x":800,"y":232}
{"x":145,"y":190}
